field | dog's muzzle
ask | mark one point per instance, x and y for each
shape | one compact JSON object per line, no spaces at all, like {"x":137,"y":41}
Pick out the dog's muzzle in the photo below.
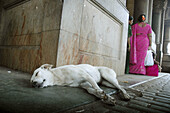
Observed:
{"x":37,"y":85}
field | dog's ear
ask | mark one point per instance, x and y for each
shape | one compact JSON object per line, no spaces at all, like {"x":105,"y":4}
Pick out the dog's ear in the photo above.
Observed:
{"x":46,"y":66}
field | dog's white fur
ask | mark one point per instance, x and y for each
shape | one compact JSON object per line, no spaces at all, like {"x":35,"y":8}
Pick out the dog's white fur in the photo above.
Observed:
{"x":83,"y":75}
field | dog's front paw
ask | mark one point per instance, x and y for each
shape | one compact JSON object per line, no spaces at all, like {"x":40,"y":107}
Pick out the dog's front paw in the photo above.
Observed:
{"x":124,"y":96}
{"x":109,"y":100}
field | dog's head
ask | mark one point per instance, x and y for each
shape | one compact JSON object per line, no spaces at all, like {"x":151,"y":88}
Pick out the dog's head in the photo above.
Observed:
{"x":42,"y":76}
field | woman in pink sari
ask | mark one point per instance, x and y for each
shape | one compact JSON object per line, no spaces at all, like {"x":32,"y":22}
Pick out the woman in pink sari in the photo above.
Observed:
{"x":141,"y":41}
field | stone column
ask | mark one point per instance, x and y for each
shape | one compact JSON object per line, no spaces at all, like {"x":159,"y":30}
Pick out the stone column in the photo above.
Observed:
{"x":167,"y":32}
{"x":156,"y":26}
{"x":150,"y":12}
{"x":159,"y":7}
{"x":141,"y":7}
{"x":166,"y":42}
{"x":166,"y":49}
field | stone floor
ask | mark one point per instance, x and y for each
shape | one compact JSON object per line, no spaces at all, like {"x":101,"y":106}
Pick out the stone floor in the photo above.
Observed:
{"x":155,"y":99}
{"x":17,"y":95}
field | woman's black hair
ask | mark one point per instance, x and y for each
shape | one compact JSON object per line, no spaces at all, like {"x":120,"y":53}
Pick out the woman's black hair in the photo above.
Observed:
{"x":142,"y":18}
{"x":154,"y":55}
{"x":130,"y":17}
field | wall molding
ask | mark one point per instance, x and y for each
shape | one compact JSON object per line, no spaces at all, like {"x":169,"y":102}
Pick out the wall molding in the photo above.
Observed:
{"x":112,"y":17}
{"x":123,"y":6}
{"x":103,"y":9}
{"x":14,"y":4}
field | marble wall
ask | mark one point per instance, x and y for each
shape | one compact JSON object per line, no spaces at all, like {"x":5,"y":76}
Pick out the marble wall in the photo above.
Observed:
{"x":95,"y":33}
{"x":62,"y":32}
{"x":30,"y":33}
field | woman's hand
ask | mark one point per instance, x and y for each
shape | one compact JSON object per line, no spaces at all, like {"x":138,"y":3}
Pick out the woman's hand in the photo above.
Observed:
{"x":129,"y":48}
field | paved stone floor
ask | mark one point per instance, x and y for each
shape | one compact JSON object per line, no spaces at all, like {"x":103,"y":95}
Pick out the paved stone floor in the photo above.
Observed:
{"x":156,"y":99}
{"x":17,"y":96}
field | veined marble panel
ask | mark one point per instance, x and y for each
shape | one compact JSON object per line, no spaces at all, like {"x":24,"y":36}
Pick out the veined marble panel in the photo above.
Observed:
{"x":71,"y":16}
{"x":93,"y":32}
{"x":116,"y":8}
{"x":24,"y":19}
{"x":68,"y":48}
{"x":30,"y":33}
{"x":101,"y":34}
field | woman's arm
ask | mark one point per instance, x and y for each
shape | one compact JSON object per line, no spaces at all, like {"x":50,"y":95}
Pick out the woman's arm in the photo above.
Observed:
{"x":129,"y":43}
{"x":129,"y":35}
{"x":156,"y":62}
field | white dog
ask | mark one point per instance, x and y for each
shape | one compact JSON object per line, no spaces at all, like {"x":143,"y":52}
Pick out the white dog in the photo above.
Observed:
{"x":83,"y":75}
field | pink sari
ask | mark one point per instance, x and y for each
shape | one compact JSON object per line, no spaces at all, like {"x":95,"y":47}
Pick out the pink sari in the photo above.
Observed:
{"x":139,"y":47}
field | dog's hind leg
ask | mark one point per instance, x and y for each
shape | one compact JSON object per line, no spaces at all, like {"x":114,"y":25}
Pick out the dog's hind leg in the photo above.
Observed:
{"x":135,"y":91}
{"x":110,"y":76}
{"x":107,"y":84}
{"x":98,"y":93}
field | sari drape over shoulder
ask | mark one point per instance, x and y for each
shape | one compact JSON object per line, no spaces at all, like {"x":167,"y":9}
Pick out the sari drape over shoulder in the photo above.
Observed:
{"x":133,"y":59}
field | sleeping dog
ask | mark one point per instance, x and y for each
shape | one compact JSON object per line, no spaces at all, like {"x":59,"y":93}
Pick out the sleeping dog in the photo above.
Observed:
{"x":83,"y":75}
